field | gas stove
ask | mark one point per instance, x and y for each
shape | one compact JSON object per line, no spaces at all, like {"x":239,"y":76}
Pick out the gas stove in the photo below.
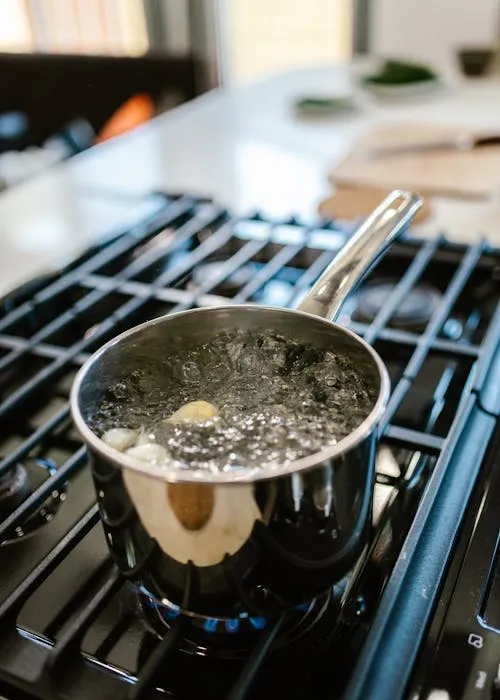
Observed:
{"x":418,"y":617}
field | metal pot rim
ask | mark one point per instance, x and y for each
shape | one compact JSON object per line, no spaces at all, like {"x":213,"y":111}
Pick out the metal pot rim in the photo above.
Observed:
{"x":173,"y":474}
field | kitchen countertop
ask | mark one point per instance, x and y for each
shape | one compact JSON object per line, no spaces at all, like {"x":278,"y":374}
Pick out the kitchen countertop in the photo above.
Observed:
{"x":243,"y":146}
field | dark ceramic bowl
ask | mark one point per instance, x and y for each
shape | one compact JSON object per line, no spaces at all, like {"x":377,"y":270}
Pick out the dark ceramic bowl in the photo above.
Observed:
{"x":475,"y":62}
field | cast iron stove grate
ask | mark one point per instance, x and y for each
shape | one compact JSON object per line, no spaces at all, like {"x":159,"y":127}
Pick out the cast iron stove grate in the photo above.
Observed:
{"x":69,"y":625}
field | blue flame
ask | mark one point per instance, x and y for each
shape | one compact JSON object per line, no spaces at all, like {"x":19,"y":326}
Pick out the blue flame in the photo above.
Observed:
{"x":232,"y":625}
{"x":210,"y":624}
{"x":258,"y":622}
{"x":171,"y":613}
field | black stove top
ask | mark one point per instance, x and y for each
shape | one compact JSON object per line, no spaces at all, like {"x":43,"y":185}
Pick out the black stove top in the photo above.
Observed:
{"x":71,"y":627}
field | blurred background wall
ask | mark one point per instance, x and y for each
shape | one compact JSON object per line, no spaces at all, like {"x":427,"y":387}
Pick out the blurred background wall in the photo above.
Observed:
{"x":432,"y":30}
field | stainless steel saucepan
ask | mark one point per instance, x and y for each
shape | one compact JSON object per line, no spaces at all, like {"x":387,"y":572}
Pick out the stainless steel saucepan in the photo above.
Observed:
{"x":226,"y":545}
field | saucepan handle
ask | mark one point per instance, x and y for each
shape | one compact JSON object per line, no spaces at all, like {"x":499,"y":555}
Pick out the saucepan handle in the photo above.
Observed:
{"x":359,"y":255}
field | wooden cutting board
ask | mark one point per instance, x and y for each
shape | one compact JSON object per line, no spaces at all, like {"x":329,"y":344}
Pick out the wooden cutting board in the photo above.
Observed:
{"x":350,"y":202}
{"x":472,"y":174}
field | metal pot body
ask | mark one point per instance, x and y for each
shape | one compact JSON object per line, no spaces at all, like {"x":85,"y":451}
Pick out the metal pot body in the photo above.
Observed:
{"x":228,"y":548}
{"x":256,"y":543}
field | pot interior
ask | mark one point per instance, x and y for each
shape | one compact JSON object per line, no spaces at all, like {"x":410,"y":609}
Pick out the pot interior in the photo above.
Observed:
{"x":249,"y":352}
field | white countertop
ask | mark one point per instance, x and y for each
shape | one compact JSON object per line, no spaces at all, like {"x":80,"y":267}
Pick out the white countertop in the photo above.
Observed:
{"x":245,"y":147}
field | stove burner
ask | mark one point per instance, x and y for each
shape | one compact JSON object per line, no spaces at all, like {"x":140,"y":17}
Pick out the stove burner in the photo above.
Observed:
{"x":17,"y":484}
{"x":204,"y":276}
{"x":413,"y":314}
{"x":232,"y":638}
{"x":15,"y":487}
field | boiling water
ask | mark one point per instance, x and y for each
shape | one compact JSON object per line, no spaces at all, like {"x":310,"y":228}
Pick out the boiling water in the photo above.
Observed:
{"x":276,"y":401}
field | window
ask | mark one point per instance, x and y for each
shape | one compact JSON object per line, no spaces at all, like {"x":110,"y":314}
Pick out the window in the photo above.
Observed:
{"x":266,"y":36}
{"x":112,"y":27}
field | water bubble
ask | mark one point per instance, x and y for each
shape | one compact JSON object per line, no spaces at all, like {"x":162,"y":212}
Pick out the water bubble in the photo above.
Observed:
{"x":191,"y":371}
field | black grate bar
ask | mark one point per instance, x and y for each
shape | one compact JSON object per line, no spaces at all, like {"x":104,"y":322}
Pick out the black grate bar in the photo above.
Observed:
{"x":443,"y":309}
{"x":59,"y":364}
{"x":392,"y":335}
{"x":42,"y":571}
{"x":50,"y":352}
{"x":56,"y":325}
{"x":226,"y":270}
{"x":36,"y":437}
{"x":120,"y":246}
{"x":37,"y":382}
{"x":267,"y":272}
{"x":35,"y":500}
{"x":184,"y":233}
{"x":397,"y":395}
{"x":403,"y":288}
{"x":414,"y":440}
{"x":408,"y":339}
{"x":116,"y":633}
{"x":456,"y":348}
{"x":141,"y":690}
{"x":176,"y":210}
{"x":489,"y":347}
{"x":168,"y":645}
{"x":77,"y":599}
{"x":210,"y":245}
{"x":134,"y":288}
{"x":242,"y":686}
{"x":70,"y":640}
